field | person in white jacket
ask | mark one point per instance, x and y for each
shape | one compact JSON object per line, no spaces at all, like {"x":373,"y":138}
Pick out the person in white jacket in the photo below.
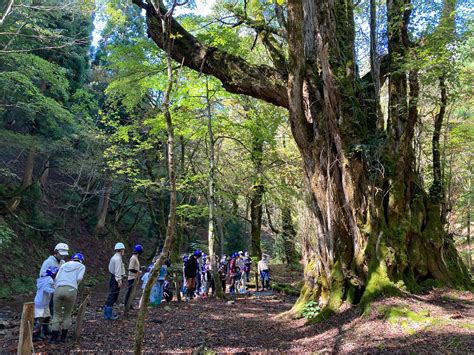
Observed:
{"x":44,"y":291}
{"x":61,"y":250}
{"x":67,"y":282}
{"x":117,"y":274}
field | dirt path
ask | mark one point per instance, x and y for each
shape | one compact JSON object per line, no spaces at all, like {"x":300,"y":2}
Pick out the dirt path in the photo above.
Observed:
{"x":441,"y":321}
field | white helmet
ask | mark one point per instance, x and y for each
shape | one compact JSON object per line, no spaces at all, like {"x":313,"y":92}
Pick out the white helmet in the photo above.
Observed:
{"x":119,"y":246}
{"x":62,"y":249}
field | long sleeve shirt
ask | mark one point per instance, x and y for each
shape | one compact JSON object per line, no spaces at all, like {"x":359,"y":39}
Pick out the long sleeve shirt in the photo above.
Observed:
{"x":70,"y":274}
{"x":50,"y":261}
{"x":116,"y":266}
{"x":45,"y":288}
{"x":133,"y":267}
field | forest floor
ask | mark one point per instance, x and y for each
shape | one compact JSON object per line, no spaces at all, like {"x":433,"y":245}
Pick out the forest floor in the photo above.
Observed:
{"x":437,"y":321}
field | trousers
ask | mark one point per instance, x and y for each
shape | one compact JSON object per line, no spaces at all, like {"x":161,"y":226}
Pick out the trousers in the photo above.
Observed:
{"x":64,"y":300}
{"x":114,"y":291}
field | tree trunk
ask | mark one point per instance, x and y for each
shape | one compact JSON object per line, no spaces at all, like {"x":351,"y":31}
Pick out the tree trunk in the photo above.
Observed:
{"x":27,"y":179}
{"x":171,"y":226}
{"x":212,"y":199}
{"x":289,"y":235}
{"x":375,"y":225}
{"x":468,"y":215}
{"x":104,"y":204}
{"x":44,"y":176}
{"x":256,"y":194}
{"x":256,"y":211}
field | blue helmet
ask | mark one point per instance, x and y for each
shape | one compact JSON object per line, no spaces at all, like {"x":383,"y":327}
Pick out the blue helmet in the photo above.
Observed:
{"x":78,"y":257}
{"x":185,"y":258}
{"x":197,"y":253}
{"x":138,"y":249}
{"x":52,"y":271}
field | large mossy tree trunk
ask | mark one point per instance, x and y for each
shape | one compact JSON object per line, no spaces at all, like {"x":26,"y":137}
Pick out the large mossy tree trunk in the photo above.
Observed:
{"x":375,"y":225}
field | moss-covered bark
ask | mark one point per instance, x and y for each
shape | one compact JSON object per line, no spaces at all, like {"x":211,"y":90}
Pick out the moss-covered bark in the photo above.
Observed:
{"x":376,"y":229}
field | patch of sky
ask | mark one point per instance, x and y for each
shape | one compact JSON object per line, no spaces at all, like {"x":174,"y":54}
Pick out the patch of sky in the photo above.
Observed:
{"x":195,"y":7}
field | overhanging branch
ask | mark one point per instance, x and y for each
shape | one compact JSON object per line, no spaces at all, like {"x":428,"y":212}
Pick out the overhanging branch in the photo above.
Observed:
{"x":236,"y":74}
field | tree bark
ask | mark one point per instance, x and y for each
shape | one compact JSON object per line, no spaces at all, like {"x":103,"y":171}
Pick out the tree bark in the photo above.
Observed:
{"x":171,"y":226}
{"x":104,"y":204}
{"x":27,"y":178}
{"x":289,"y":235}
{"x":212,"y":199}
{"x":44,"y":176}
{"x":374,"y":223}
{"x":256,"y":211}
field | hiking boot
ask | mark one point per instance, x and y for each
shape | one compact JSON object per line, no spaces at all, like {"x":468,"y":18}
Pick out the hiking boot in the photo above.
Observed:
{"x":45,"y":328}
{"x":54,"y":337}
{"x":108,"y":313}
{"x":63,"y":335}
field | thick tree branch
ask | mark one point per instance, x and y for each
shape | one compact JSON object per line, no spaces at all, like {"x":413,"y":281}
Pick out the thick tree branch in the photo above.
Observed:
{"x":236,"y":74}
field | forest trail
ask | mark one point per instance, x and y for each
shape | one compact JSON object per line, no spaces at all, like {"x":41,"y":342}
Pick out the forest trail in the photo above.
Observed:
{"x":440,"y":321}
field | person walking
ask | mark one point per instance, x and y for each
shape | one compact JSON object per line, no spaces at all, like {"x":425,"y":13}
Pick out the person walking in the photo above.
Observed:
{"x":65,"y":293}
{"x":133,"y":271}
{"x":117,"y":273}
{"x":45,"y":290}
{"x":264,"y":272}
{"x":190,"y":272}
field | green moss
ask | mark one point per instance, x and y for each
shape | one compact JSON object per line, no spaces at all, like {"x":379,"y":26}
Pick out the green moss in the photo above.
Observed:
{"x":337,"y":287}
{"x":412,"y":321}
{"x":306,"y":295}
{"x":285,"y":288}
{"x":377,"y":284}
{"x":409,"y":320}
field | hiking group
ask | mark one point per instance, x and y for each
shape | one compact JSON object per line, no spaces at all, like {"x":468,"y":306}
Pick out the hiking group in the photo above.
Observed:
{"x":58,"y":284}
{"x":233,"y":272}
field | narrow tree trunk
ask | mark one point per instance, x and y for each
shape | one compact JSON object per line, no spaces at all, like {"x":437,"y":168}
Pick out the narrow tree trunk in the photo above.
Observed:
{"x":468,"y":215}
{"x":44,"y":176}
{"x":104,"y":204}
{"x":211,"y":198}
{"x":171,"y":226}
{"x":289,"y":235}
{"x":27,"y":179}
{"x":256,"y":194}
{"x":256,"y":211}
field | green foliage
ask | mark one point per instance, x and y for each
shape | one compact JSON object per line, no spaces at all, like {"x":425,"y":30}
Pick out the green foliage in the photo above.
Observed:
{"x":7,"y":235}
{"x":311,"y":310}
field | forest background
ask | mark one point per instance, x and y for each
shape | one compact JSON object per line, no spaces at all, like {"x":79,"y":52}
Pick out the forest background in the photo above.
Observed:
{"x":83,"y":142}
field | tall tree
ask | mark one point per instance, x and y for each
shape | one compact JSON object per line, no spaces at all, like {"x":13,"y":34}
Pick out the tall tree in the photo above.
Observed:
{"x":374,"y":223}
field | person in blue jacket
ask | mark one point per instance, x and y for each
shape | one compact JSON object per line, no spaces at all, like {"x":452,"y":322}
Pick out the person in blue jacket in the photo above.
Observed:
{"x":156,"y":295}
{"x":45,"y":289}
